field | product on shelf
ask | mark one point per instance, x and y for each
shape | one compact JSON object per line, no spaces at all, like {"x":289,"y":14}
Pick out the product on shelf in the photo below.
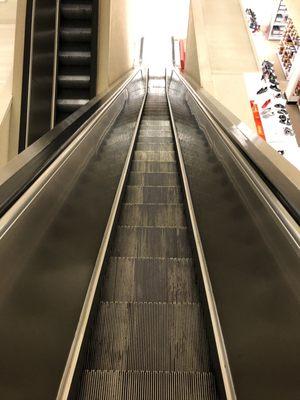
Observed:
{"x":297,"y":89}
{"x":279,"y":21}
{"x":297,"y":93}
{"x":272,"y":102}
{"x":289,"y":46}
{"x":252,"y":21}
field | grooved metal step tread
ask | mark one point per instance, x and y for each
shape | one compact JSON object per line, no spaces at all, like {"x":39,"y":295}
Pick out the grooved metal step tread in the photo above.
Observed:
{"x":152,"y":215}
{"x":74,"y":81}
{"x":155,"y":146}
{"x":155,"y":133}
{"x":148,"y":336}
{"x":155,"y":128}
{"x":76,"y":11}
{"x":154,"y":178}
{"x":74,"y":57}
{"x":155,"y":124}
{"x":151,"y":242}
{"x":153,"y":139}
{"x":160,"y":118}
{"x":142,"y":155}
{"x":153,"y":194}
{"x":153,"y":166}
{"x":149,"y":280}
{"x":69,"y":105}
{"x":147,"y":385}
{"x":154,"y":110}
{"x":78,"y":34}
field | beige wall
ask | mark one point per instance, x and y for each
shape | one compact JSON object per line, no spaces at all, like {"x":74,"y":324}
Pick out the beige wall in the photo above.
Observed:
{"x":17,"y":80}
{"x":115,"y":56}
{"x":224,"y":53}
{"x":192,"y":65}
{"x":8,"y":12}
{"x":5,"y":109}
{"x":7,"y":40}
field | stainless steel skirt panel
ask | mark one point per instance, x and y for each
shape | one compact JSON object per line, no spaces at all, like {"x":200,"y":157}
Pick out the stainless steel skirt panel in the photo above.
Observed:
{"x":48,"y":250}
{"x":253,"y":260}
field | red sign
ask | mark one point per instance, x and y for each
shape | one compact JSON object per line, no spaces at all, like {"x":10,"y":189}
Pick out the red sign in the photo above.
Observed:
{"x":257,"y":119}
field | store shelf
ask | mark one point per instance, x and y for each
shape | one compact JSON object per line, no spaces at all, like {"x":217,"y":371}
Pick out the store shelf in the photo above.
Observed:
{"x":281,"y":10}
{"x":294,"y":43}
{"x":275,"y":37}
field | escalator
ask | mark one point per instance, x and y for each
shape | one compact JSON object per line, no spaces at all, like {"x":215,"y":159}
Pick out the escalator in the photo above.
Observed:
{"x":76,"y":56}
{"x":149,"y":337}
{"x":142,"y":256}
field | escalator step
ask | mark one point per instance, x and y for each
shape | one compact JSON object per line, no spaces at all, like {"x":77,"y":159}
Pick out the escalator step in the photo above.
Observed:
{"x":153,"y":194}
{"x":82,"y":34}
{"x":150,"y":279}
{"x":164,"y":123}
{"x":151,"y":242}
{"x":155,"y":146}
{"x":148,"y":337}
{"x":154,"y":178}
{"x":151,"y":117}
{"x":75,"y":57}
{"x":156,"y":111}
{"x":74,"y":81}
{"x":70,"y":105}
{"x":76,"y":11}
{"x":140,"y":385}
{"x":154,"y":155}
{"x":152,"y":215}
{"x":152,"y":139}
{"x":156,"y":133}
{"x":153,"y":166}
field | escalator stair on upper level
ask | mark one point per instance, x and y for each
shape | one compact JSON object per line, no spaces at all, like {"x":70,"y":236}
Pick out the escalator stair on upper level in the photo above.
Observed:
{"x":75,"y":55}
{"x":148,"y":339}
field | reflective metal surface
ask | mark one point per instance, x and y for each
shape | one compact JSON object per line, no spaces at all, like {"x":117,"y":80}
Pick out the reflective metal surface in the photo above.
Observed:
{"x":23,"y":170}
{"x":73,"y":358}
{"x":39,"y":103}
{"x":283,"y":176}
{"x":252,"y":258}
{"x":225,"y":371}
{"x":49,"y":244}
{"x":147,"y":336}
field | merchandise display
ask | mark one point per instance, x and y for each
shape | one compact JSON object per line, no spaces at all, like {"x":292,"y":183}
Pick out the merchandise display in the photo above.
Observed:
{"x":288,"y":48}
{"x":279,"y":21}
{"x":274,"y":94}
{"x":270,"y":113}
{"x":297,"y":93}
{"x":252,"y":20}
